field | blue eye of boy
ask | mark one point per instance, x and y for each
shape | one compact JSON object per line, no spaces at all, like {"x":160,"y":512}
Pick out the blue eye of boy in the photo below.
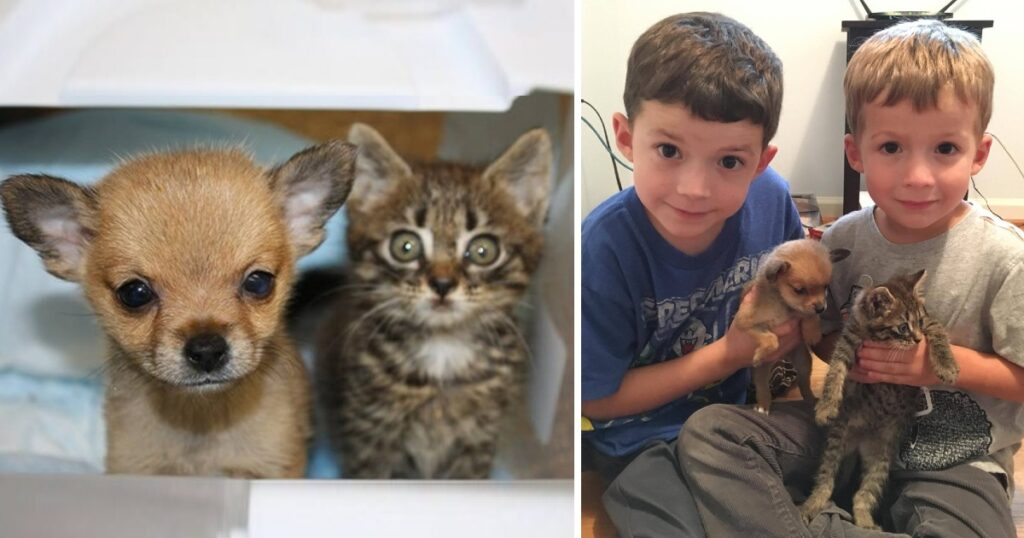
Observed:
{"x":890,"y":147}
{"x":731,"y":162}
{"x":668,"y":151}
{"x":946,"y":148}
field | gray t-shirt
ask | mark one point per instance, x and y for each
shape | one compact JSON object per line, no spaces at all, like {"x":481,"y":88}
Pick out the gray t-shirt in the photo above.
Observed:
{"x":975,"y":287}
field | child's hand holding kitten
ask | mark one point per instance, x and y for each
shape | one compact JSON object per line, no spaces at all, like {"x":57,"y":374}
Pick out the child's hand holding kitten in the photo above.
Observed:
{"x":878,"y":362}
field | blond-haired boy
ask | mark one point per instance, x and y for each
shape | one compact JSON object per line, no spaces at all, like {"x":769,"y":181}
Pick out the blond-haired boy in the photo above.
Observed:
{"x":919,"y":97}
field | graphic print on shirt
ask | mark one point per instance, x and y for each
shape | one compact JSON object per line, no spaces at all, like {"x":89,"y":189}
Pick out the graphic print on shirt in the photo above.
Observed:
{"x":691,"y":322}
{"x":956,"y":430}
{"x":680,"y":325}
{"x":844,"y":309}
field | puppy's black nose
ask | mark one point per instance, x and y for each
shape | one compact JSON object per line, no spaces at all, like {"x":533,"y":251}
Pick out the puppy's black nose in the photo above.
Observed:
{"x":819,"y":308}
{"x":441,"y":285}
{"x":207,"y":352}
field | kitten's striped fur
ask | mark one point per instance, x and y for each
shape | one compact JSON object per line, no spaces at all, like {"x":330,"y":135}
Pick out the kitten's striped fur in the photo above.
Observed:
{"x":870,"y":419}
{"x":421,"y":358}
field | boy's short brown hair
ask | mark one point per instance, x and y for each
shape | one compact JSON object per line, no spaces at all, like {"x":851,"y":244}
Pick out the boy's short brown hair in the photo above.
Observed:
{"x":915,"y":61}
{"x":713,"y":65}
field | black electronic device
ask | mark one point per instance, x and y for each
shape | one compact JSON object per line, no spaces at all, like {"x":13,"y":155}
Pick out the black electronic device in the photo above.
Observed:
{"x":897,"y":15}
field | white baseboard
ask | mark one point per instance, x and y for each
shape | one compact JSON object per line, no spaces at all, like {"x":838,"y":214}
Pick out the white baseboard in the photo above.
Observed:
{"x":830,"y":206}
{"x":1008,"y":208}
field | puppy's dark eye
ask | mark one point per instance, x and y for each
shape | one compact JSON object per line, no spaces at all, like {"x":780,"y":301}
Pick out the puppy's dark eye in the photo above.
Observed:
{"x":258,"y":284}
{"x":799,"y":291}
{"x":135,"y":294}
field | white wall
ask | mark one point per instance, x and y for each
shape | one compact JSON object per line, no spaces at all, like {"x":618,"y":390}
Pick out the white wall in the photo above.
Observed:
{"x":808,"y":37}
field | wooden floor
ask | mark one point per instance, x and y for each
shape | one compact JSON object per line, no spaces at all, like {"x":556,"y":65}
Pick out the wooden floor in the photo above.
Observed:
{"x":595,"y":522}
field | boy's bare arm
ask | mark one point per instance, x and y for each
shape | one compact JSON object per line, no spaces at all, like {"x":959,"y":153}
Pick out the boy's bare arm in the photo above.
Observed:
{"x":988,"y":373}
{"x":984,"y":373}
{"x":649,"y":387}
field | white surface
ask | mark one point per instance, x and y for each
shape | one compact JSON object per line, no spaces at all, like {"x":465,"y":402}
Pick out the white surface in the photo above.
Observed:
{"x":808,"y":38}
{"x":548,"y":347}
{"x":84,"y":506}
{"x":547,"y":350}
{"x":399,"y":508}
{"x":39,"y":506}
{"x":282,"y":54}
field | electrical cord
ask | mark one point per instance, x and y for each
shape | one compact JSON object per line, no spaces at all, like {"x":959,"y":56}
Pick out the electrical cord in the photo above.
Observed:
{"x":608,"y":149}
{"x":1012,"y":160}
{"x":983,"y":198}
{"x":606,"y":142}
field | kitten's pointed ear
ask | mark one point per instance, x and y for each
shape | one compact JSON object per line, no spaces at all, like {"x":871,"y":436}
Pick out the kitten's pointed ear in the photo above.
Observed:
{"x":525,"y":171}
{"x":917,"y":281}
{"x":310,"y":187}
{"x":879,"y":302}
{"x":55,"y":217}
{"x":774,"y":269}
{"x":377,"y":167}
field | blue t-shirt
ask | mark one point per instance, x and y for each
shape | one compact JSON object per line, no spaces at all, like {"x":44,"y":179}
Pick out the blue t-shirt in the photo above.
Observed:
{"x":644,"y":302}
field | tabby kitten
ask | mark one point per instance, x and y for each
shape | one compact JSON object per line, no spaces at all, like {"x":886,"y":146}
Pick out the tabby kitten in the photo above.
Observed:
{"x":422,"y":356}
{"x":872,"y":418}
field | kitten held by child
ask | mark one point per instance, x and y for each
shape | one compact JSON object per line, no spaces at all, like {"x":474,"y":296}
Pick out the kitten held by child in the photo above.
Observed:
{"x":188,"y":259}
{"x":791,"y":282}
{"x":422,"y":355}
{"x":870,"y":419}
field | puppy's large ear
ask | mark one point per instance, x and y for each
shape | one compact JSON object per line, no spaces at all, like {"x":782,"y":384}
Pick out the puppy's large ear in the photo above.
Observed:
{"x":774,"y":269}
{"x":377,"y":168}
{"x":311,"y":187}
{"x":524,"y":170}
{"x":55,"y":217}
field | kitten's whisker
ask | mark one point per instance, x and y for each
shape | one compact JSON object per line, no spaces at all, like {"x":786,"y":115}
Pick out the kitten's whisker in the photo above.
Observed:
{"x":358,"y":323}
{"x":504,"y":320}
{"x":386,"y":320}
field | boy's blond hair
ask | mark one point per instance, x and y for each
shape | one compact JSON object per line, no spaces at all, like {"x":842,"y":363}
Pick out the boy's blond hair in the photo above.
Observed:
{"x":916,"y":61}
{"x":711,"y":64}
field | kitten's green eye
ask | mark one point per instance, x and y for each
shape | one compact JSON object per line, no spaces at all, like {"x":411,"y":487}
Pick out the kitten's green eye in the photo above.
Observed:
{"x":406,"y":246}
{"x":483,"y":250}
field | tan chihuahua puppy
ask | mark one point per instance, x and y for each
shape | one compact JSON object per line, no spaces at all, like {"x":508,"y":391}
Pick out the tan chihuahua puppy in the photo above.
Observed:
{"x":188,"y":259}
{"x":791,"y":282}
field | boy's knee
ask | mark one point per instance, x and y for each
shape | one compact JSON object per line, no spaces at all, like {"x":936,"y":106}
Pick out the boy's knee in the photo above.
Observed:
{"x":712,"y":424}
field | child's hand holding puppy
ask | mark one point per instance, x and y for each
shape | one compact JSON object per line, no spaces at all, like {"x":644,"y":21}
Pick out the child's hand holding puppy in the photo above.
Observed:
{"x":741,"y":343}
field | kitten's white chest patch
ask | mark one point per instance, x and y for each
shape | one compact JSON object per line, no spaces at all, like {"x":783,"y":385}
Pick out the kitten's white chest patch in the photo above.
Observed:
{"x":443,"y":357}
